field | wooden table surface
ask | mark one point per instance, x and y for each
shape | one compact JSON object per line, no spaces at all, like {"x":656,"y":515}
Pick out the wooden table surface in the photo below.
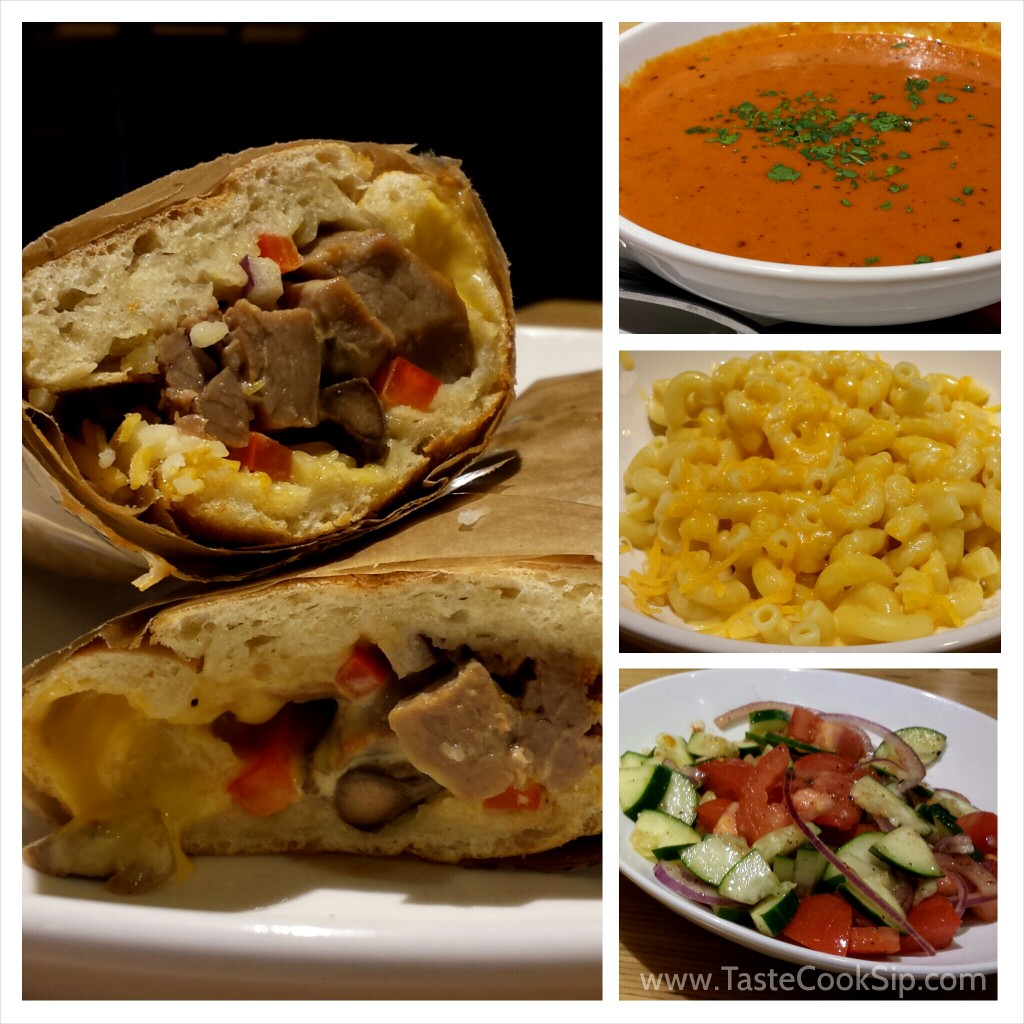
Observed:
{"x":654,"y":941}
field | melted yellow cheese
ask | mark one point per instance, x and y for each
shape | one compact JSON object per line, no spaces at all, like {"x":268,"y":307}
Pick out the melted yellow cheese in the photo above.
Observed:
{"x":107,"y":760}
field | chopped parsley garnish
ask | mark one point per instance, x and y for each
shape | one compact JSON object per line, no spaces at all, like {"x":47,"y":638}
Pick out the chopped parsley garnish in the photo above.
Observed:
{"x":871,"y":259}
{"x":914,"y":88}
{"x":968,"y":190}
{"x":923,"y":259}
{"x":944,"y":97}
{"x":957,"y":200}
{"x":725,"y":137}
{"x":846,"y":202}
{"x":780,"y":172}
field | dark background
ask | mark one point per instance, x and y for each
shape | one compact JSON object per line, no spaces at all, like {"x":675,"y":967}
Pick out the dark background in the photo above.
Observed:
{"x":114,"y":106}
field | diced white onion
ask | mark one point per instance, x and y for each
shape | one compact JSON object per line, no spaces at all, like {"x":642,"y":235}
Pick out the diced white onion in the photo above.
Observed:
{"x":207,"y":332}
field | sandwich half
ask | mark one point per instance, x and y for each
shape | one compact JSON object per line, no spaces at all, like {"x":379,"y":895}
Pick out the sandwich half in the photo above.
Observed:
{"x":266,"y":352}
{"x":404,"y":701}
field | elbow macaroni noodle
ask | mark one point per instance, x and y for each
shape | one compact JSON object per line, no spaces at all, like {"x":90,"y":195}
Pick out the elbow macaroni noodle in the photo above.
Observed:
{"x":816,"y":499}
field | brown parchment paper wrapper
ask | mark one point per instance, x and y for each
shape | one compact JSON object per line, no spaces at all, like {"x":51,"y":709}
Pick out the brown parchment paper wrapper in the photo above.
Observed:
{"x":118,"y":545}
{"x":546,"y":513}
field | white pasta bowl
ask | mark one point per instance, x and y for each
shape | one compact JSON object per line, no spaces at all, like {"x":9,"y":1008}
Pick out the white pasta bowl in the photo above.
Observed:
{"x":834,"y":296}
{"x":668,"y":632}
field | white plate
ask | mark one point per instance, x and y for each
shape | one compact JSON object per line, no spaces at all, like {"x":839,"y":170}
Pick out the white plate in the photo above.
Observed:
{"x":668,"y":632}
{"x":670,"y":704}
{"x":313,"y":927}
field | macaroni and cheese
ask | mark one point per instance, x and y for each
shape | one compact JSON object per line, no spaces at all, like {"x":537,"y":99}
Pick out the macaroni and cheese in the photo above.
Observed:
{"x":816,"y":499}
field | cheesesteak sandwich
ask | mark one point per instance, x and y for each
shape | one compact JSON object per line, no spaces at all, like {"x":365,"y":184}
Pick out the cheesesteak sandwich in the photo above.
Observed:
{"x":398,"y":702}
{"x":268,"y":351}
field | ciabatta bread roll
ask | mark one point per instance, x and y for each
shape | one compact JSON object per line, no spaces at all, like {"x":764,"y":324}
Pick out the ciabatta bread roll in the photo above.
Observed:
{"x":268,"y":350}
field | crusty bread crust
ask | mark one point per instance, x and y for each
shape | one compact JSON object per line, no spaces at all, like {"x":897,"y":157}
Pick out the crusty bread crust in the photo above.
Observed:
{"x":99,"y":291}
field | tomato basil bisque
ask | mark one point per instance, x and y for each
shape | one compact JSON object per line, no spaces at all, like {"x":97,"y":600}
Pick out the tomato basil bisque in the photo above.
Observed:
{"x":804,"y":144}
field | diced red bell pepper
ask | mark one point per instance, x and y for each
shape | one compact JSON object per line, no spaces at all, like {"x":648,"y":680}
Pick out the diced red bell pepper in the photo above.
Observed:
{"x":269,"y":781}
{"x":869,"y":941}
{"x":822,"y":922}
{"x":936,"y":921}
{"x":281,"y":249}
{"x":267,"y":785}
{"x":982,"y":827}
{"x":399,"y":382}
{"x":364,"y":673}
{"x":264,"y":455}
{"x":513,"y":799}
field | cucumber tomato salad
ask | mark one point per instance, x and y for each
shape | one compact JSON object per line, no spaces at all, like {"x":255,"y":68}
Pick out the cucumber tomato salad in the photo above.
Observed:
{"x":818,"y":829}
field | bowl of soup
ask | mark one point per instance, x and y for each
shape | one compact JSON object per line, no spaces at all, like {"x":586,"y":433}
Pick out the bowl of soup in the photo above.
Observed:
{"x":822,"y":173}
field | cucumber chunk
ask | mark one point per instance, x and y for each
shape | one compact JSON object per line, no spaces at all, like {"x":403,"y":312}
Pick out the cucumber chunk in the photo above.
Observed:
{"x":870,"y":795}
{"x":656,"y":830}
{"x":773,"y":913}
{"x":680,"y":798}
{"x":904,"y":848}
{"x":642,"y":787}
{"x":703,"y":746}
{"x":749,"y":880}
{"x":928,"y":744}
{"x":713,"y":856}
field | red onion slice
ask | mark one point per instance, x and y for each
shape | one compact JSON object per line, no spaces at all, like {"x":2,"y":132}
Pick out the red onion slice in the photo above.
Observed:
{"x":909,"y":762}
{"x":674,"y":876}
{"x":851,"y":876}
{"x":978,"y":876}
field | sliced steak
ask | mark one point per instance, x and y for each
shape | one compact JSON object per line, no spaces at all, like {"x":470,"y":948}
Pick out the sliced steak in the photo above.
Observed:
{"x":419,"y":306}
{"x":476,"y":741}
{"x":279,"y":352}
{"x":462,"y":733}
{"x":222,"y":404}
{"x":185,"y":371}
{"x":355,"y":342}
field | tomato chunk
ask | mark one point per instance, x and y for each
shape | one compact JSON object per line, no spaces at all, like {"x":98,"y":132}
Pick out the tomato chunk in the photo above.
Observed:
{"x":281,"y":249}
{"x":833,"y":776}
{"x":761,"y":808}
{"x":839,"y":739}
{"x":874,"y":941}
{"x":513,"y":799}
{"x":264,"y":455}
{"x":982,"y":827}
{"x":803,"y":724}
{"x":822,"y":922}
{"x":726,"y":776}
{"x":399,"y":382}
{"x":365,"y":672}
{"x":710,"y":811}
{"x":935,"y":920}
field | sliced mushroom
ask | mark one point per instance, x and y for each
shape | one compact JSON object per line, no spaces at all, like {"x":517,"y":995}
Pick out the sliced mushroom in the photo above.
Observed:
{"x":134,"y":853}
{"x":370,"y":796}
{"x":354,"y":406}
